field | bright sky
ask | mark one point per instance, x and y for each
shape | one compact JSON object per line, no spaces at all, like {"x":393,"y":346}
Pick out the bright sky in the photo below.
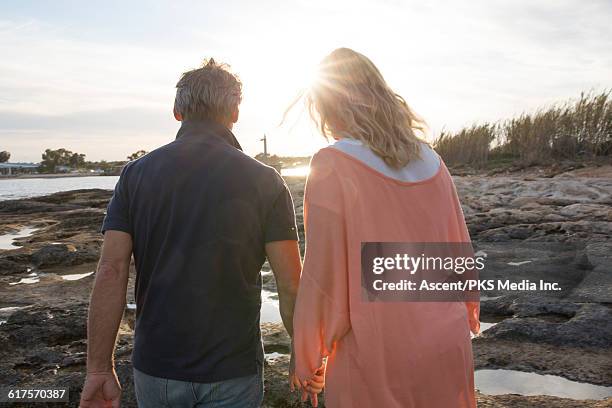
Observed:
{"x":99,"y":77}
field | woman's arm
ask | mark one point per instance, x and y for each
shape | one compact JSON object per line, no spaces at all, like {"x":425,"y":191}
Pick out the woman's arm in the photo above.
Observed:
{"x":322,"y":308}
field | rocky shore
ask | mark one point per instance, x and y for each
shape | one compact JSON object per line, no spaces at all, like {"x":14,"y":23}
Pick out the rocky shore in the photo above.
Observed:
{"x":45,"y":283}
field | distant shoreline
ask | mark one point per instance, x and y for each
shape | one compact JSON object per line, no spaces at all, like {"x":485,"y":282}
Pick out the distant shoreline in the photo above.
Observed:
{"x":50,"y":176}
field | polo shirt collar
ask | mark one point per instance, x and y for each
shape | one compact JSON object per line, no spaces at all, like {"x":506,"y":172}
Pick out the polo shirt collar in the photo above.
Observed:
{"x":204,"y":128}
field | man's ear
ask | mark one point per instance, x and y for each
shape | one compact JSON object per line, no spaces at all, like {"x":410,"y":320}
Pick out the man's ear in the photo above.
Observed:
{"x":178,"y":116}
{"x":235,"y":115}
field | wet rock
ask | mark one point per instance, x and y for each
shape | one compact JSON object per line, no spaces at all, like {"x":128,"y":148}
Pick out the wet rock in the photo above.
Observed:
{"x":275,"y":338}
{"x":581,"y":364}
{"x":81,"y":220}
{"x":588,"y":328}
{"x":587,"y":211}
{"x":95,"y":197}
{"x":595,"y":287}
{"x":77,"y":359}
{"x":31,"y":207}
{"x":63,"y":254}
{"x":276,"y":383}
{"x":43,"y":357}
{"x":14,"y":264}
{"x":38,"y":325}
{"x":548,"y":320}
{"x":535,"y":401}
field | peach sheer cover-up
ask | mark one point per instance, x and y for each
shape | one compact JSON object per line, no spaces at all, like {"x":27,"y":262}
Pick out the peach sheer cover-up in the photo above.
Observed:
{"x":380,"y":354}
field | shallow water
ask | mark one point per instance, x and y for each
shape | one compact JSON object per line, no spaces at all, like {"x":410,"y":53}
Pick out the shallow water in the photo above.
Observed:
{"x":485,"y":298}
{"x":497,"y":382}
{"x":273,"y":355}
{"x":483,"y":326}
{"x":6,"y":311}
{"x":270,"y":313}
{"x":519,"y":263}
{"x":7,"y":241}
{"x":26,"y":281}
{"x":76,"y":276}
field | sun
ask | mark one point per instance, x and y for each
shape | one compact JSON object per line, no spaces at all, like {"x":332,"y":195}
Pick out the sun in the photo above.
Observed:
{"x":273,"y":78}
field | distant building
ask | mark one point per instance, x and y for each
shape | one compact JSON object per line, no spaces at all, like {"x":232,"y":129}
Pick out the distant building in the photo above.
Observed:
{"x":114,"y":170}
{"x":63,"y":169}
{"x":8,"y":169}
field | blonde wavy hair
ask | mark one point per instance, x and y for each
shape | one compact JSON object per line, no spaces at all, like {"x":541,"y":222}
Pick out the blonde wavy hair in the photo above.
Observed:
{"x":350,"y":98}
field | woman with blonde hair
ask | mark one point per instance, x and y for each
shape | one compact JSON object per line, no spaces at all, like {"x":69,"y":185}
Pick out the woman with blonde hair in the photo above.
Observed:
{"x":379,"y":182}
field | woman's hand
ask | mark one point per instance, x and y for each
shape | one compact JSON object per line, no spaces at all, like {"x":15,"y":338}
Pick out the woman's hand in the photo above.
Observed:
{"x":310,"y":388}
{"x":314,"y":386}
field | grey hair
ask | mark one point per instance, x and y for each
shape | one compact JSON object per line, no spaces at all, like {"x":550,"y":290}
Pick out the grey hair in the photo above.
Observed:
{"x":209,"y":92}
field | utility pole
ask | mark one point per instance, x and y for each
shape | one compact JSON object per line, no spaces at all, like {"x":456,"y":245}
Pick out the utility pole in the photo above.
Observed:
{"x":265,"y":140}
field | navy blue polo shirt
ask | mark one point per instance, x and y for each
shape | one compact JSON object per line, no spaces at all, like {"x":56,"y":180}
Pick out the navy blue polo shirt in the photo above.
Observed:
{"x":199,"y":212}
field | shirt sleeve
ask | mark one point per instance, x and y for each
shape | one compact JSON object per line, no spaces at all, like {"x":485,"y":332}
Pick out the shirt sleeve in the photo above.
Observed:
{"x":322,"y":308}
{"x":280,"y":221}
{"x":118,"y":211}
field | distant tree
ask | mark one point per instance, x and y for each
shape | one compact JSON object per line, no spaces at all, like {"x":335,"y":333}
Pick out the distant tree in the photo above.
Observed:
{"x":77,"y":160}
{"x":269,"y":159}
{"x":4,"y":156}
{"x":103,"y":165}
{"x":137,"y":155}
{"x":60,"y":157}
{"x":50,"y":160}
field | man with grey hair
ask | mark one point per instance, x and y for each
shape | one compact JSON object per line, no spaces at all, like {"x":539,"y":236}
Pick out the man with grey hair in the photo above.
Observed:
{"x":199,"y":217}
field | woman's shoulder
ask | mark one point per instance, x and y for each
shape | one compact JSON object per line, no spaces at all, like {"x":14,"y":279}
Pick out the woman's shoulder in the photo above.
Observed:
{"x":323,"y":156}
{"x":323,"y":174}
{"x":323,"y":186}
{"x":323,"y":161}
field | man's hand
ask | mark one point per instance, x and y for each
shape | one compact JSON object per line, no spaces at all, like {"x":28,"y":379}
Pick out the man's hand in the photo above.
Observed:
{"x":294,"y":381}
{"x":101,"y":390}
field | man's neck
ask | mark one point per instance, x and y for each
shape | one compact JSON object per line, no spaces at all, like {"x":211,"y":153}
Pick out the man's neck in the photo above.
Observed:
{"x":197,"y":126}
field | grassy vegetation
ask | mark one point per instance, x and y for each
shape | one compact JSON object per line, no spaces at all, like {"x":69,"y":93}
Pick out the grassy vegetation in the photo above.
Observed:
{"x":577,"y":129}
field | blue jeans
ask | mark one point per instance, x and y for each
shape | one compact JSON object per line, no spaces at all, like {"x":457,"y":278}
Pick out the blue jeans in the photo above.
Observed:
{"x":242,"y":392}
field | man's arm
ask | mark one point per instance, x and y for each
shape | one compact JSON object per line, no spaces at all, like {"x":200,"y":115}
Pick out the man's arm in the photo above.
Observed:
{"x":105,"y":312}
{"x":284,"y":257}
